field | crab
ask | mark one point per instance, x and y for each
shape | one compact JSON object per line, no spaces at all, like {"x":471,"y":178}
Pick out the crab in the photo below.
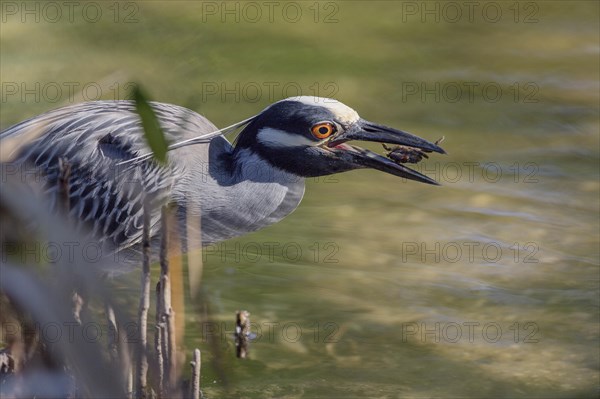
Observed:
{"x":404,"y":154}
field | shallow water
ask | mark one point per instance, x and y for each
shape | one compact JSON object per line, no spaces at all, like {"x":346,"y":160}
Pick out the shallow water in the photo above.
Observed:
{"x":487,"y":286}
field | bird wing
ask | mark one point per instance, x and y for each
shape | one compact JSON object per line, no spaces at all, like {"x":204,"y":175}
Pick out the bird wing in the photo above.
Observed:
{"x":105,"y":195}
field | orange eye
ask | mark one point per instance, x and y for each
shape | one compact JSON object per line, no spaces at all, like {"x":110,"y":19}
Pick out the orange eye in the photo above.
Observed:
{"x":323,"y":130}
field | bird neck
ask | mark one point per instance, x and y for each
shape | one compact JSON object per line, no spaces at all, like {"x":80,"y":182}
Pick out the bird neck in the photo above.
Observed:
{"x":241,"y":193}
{"x":247,"y":165}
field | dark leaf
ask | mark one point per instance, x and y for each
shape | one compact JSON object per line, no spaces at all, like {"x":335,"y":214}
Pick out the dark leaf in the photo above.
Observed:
{"x":152,"y":130}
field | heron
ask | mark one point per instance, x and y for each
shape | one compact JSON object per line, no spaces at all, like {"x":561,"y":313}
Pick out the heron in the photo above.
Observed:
{"x":234,"y":188}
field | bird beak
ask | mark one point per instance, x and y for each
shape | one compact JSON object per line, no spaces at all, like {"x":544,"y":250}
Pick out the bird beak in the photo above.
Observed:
{"x":362,"y":158}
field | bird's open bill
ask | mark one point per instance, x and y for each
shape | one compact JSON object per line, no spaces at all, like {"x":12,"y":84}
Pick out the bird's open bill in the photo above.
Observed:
{"x":368,"y":131}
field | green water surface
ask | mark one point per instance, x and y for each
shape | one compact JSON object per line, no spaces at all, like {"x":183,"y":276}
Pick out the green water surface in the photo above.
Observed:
{"x":487,"y":286}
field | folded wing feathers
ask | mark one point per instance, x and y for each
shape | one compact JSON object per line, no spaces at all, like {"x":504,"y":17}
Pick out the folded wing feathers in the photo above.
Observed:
{"x":94,"y":138}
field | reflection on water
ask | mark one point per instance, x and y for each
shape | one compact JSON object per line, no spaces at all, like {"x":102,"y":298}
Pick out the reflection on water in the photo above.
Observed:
{"x":376,"y":287}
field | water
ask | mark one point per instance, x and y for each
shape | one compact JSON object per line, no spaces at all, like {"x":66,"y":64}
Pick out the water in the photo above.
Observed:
{"x":487,"y":286}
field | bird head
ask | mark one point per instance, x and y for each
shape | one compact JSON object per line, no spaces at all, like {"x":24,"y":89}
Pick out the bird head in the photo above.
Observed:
{"x":308,"y":137}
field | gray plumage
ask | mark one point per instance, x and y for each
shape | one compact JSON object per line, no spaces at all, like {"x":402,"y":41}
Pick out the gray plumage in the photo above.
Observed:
{"x":234,"y":194}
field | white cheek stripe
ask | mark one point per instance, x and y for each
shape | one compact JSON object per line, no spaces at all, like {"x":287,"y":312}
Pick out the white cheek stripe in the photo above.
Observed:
{"x":281,"y":139}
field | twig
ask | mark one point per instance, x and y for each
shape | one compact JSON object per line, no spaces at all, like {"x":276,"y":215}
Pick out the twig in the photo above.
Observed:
{"x":160,"y":363}
{"x":191,"y":240}
{"x":159,"y":341}
{"x":196,"y":368}
{"x":119,"y":351}
{"x":168,"y":315}
{"x":77,"y":303}
{"x":165,"y":312}
{"x":142,"y":356}
{"x":113,"y":333}
{"x":242,"y":333}
{"x":7,"y":363}
{"x":129,"y":381}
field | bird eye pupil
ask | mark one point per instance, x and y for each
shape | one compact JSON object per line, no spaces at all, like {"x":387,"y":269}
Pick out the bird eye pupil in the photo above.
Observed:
{"x":323,"y":130}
